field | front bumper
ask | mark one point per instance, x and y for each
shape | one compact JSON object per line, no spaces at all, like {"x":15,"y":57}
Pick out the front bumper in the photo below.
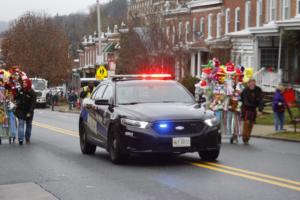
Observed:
{"x":41,"y":100}
{"x":136,"y":140}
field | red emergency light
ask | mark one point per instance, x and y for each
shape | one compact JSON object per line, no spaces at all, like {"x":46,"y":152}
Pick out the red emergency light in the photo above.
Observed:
{"x":156,"y":76}
{"x":142,"y":76}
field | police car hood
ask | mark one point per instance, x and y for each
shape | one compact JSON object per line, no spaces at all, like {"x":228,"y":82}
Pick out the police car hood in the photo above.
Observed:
{"x":165,"y":111}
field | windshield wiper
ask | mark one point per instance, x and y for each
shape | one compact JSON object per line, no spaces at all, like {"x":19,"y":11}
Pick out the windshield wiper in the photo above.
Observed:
{"x":130,"y":103}
{"x":170,"y":102}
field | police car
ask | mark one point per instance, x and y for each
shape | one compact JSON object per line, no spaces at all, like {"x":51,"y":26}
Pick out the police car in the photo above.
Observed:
{"x":146,"y":113}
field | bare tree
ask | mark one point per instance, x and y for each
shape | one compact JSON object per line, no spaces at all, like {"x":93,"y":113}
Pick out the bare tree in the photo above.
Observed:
{"x":39,"y":46}
{"x":150,"y":49}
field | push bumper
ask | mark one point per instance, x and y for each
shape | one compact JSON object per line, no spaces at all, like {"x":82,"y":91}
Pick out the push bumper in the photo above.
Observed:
{"x":148,"y":141}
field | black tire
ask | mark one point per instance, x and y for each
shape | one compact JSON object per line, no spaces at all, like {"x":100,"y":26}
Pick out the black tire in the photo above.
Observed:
{"x":114,"y":147}
{"x":85,"y":146}
{"x":209,"y":155}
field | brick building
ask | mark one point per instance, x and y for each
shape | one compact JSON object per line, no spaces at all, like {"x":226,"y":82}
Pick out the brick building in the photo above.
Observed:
{"x":145,"y":8}
{"x":88,"y":53}
{"x":249,"y":32}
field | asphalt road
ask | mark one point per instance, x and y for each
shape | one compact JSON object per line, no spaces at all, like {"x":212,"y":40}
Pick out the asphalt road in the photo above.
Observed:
{"x":266,"y":169}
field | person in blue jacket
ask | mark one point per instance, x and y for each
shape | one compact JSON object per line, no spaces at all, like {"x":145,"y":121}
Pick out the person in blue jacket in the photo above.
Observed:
{"x":278,"y":106}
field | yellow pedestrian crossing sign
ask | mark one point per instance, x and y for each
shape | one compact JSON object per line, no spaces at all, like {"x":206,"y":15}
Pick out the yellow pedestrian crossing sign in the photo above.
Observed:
{"x":101,"y":73}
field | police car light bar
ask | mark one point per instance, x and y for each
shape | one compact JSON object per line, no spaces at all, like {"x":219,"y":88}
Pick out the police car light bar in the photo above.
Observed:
{"x":156,"y":75}
{"x":141,"y":76}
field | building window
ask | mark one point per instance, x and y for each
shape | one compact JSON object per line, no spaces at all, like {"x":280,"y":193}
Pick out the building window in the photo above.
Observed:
{"x":237,"y":19}
{"x":298,"y":7}
{"x":173,"y":35}
{"x":227,"y":21}
{"x":272,"y":6}
{"x":209,"y":26}
{"x":202,"y":26}
{"x":168,"y":32}
{"x":187,"y":30}
{"x":269,"y":57}
{"x":194,"y":29}
{"x":219,"y":26}
{"x":179,"y":30}
{"x":285,"y":9}
{"x":248,"y":14}
{"x":258,"y":12}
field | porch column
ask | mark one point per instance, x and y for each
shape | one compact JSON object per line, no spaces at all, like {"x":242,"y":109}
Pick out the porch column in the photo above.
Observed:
{"x":198,"y":64}
{"x":177,"y":70}
{"x":192,"y":69}
{"x":256,"y":55}
{"x":279,"y":70}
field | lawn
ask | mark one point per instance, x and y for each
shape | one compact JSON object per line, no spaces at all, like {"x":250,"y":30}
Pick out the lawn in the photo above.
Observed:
{"x":268,"y":118}
{"x":286,"y":135}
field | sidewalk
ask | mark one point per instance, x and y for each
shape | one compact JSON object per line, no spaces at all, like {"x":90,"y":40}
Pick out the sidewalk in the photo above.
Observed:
{"x":24,"y":191}
{"x":268,"y":132}
{"x":65,"y":108}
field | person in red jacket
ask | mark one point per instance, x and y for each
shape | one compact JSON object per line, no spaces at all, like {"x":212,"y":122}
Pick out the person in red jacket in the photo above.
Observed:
{"x":25,"y":104}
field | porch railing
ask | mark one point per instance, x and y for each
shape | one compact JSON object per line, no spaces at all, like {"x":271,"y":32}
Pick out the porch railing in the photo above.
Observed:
{"x":267,"y":80}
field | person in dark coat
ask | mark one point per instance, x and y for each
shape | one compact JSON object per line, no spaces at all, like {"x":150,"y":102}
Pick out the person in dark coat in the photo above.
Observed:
{"x":72,"y":99}
{"x":25,"y":104}
{"x":252,"y":98}
{"x":278,"y":106}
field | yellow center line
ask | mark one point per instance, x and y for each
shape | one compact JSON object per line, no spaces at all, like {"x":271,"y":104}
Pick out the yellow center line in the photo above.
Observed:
{"x":246,"y":176}
{"x":56,"y":129}
{"x":273,"y":180}
{"x":254,"y":173}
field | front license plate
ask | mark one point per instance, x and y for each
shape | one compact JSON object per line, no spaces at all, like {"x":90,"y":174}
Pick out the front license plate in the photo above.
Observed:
{"x":181,"y":142}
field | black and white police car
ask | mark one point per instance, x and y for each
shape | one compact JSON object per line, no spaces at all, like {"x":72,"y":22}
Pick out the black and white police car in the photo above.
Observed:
{"x":146,"y":113}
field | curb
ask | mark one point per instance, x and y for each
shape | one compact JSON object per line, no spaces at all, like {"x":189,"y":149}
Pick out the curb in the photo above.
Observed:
{"x":62,"y":111}
{"x":274,"y":138}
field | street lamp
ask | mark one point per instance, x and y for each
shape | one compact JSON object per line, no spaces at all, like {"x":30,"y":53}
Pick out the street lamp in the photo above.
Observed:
{"x":99,"y":60}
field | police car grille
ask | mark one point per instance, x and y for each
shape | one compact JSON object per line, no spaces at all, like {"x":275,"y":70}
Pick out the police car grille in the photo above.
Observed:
{"x":179,"y":127}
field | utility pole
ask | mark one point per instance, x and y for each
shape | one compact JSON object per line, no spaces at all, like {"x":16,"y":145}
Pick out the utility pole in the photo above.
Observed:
{"x":99,"y":61}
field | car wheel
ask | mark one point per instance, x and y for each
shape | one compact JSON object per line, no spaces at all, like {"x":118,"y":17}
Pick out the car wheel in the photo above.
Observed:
{"x":114,"y":148}
{"x":209,"y":155}
{"x":85,"y":146}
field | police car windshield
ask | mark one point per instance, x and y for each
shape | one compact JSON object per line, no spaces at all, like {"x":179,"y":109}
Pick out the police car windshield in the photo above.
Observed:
{"x":151,"y":91}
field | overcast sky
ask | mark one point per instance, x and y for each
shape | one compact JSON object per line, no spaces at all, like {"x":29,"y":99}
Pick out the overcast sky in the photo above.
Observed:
{"x":11,"y":9}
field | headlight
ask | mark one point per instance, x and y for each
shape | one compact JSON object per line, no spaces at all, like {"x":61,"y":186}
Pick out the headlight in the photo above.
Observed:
{"x":211,"y":122}
{"x":134,"y":123}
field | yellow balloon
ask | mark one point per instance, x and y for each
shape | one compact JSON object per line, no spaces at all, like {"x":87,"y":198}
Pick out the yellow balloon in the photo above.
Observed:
{"x":248,"y":74}
{"x":6,"y":76}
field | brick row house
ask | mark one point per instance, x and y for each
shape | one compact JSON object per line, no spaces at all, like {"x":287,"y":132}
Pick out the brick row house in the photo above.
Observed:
{"x":88,"y":53}
{"x":251,"y":33}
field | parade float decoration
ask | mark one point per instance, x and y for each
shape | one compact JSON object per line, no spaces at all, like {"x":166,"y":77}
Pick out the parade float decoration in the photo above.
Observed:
{"x":10,"y":84}
{"x":222,"y":86}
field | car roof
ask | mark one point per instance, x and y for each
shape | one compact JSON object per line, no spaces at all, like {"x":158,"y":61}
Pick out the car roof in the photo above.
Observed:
{"x":128,"y":77}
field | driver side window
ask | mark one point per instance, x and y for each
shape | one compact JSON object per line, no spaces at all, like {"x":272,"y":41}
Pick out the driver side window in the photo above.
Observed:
{"x":108,"y":92}
{"x":99,"y":92}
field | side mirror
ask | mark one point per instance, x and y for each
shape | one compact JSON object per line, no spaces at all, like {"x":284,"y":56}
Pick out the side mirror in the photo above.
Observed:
{"x":201,"y":99}
{"x":102,"y":102}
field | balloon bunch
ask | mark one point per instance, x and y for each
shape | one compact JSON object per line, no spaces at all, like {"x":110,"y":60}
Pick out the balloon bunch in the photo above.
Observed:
{"x":10,"y":81}
{"x":220,"y":82}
